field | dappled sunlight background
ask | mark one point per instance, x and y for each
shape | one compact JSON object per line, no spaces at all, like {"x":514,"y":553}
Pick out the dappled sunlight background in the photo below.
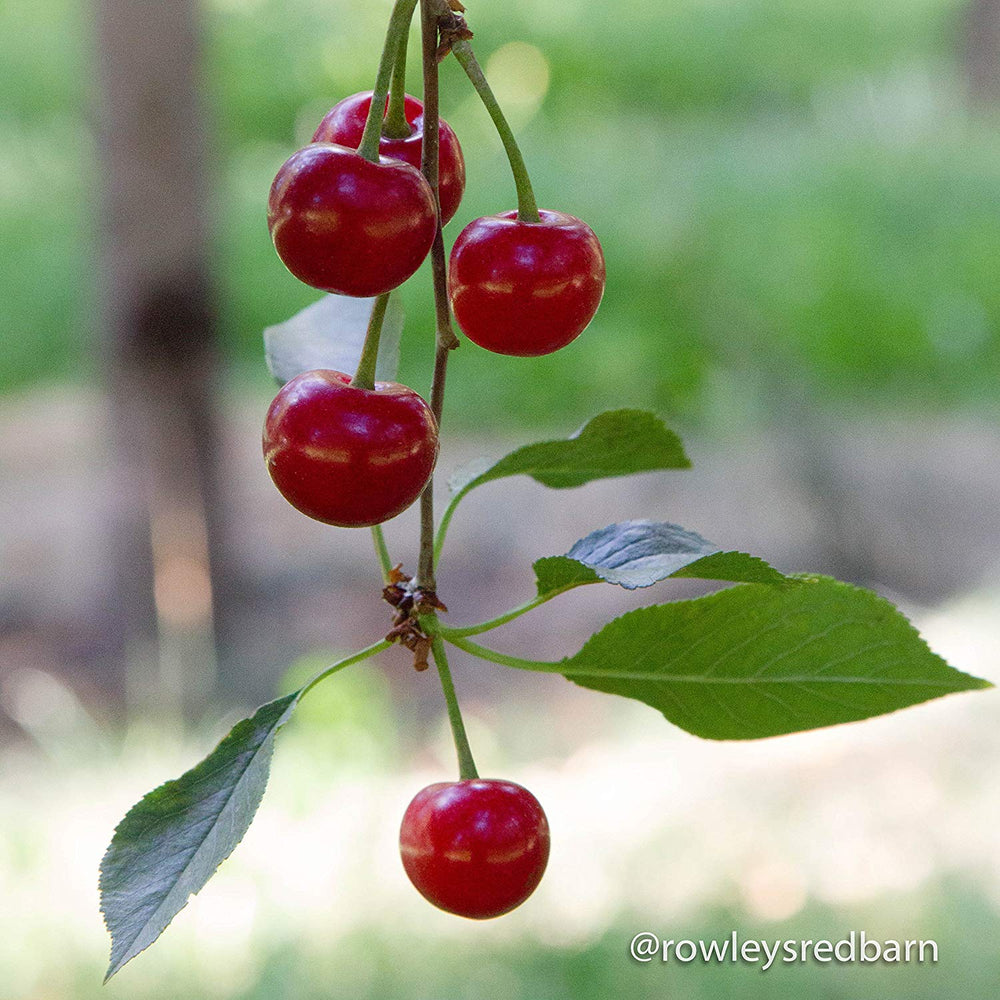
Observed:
{"x":797,"y":203}
{"x":876,"y":826}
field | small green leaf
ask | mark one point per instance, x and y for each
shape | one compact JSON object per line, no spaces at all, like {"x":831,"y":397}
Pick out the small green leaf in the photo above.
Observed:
{"x":171,"y":842}
{"x":330,"y":334}
{"x":616,"y":443}
{"x":736,"y":567}
{"x":636,"y":554}
{"x":756,"y":660}
{"x":556,"y":573}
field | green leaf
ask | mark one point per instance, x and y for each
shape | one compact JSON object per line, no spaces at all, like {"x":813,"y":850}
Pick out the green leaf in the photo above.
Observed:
{"x":755,"y":660}
{"x":556,"y":573}
{"x":171,"y":842}
{"x":616,"y":443}
{"x":330,"y":334}
{"x":736,"y":567}
{"x":636,"y":554}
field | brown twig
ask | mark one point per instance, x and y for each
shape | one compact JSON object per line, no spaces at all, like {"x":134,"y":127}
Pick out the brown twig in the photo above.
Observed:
{"x":434,"y":13}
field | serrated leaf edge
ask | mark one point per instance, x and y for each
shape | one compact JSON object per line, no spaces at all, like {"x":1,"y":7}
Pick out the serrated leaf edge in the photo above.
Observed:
{"x":966,"y":681}
{"x":268,"y":742}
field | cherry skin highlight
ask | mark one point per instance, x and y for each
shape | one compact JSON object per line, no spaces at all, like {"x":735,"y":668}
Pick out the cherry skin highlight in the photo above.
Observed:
{"x":476,"y":848}
{"x":525,"y":288}
{"x":345,"y":121}
{"x":349,"y":456}
{"x":343,"y":224}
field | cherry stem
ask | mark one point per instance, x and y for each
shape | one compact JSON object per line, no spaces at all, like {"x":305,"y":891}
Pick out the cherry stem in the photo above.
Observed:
{"x":395,"y":125}
{"x":527,"y":207}
{"x":466,"y":764}
{"x":445,"y":339}
{"x":364,"y":377}
{"x":382,"y":550}
{"x":399,"y":27}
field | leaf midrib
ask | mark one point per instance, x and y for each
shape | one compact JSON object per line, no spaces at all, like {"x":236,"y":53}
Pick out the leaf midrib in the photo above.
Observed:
{"x":698,"y":679}
{"x":195,"y":854}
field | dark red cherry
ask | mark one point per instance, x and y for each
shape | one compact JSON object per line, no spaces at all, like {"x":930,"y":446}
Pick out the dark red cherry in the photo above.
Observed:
{"x":525,"y":288}
{"x":346,"y":225}
{"x":349,"y":456}
{"x":345,"y":122}
{"x":476,"y":848}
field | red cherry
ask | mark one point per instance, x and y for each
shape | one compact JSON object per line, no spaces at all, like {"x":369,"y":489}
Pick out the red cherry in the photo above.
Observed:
{"x":525,"y":288}
{"x":477,"y":848}
{"x":349,"y":456}
{"x":346,"y":225}
{"x":345,"y":122}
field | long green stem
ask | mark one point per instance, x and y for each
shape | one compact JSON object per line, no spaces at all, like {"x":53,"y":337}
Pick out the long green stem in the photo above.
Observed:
{"x":502,"y":658}
{"x":399,"y":26}
{"x":364,"y":377}
{"x":395,"y":125}
{"x":362,"y":654}
{"x":450,"y":633}
{"x":527,"y":207}
{"x":382,"y":550}
{"x":466,"y":765}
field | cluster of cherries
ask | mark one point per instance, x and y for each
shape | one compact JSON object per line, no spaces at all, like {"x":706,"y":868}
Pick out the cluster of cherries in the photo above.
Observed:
{"x":355,"y":455}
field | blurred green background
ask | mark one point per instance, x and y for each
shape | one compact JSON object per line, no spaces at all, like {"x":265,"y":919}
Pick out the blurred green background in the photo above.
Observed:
{"x":799,"y":208}
{"x":784,"y":191}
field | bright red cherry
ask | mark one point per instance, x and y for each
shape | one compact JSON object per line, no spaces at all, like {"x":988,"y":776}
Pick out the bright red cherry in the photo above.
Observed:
{"x":345,"y":122}
{"x":525,"y":288}
{"x":349,"y":456}
{"x":346,"y":225}
{"x":477,"y":848}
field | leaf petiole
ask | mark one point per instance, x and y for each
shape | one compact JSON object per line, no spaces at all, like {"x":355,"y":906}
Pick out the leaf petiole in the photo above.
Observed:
{"x":443,"y":526}
{"x":361,"y":654}
{"x":492,"y":656}
{"x":449,"y":633}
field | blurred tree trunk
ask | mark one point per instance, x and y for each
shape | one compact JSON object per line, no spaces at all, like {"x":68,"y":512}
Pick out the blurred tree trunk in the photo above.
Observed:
{"x":982,"y":50}
{"x":159,"y":323}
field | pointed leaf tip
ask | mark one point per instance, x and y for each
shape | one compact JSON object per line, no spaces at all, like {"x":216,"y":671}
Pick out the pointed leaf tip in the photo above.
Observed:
{"x":330,"y":333}
{"x":615,"y":443}
{"x":633,"y":554}
{"x":755,"y":660}
{"x":171,"y":842}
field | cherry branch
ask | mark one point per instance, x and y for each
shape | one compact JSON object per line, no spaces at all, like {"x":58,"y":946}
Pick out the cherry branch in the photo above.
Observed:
{"x":445,"y":339}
